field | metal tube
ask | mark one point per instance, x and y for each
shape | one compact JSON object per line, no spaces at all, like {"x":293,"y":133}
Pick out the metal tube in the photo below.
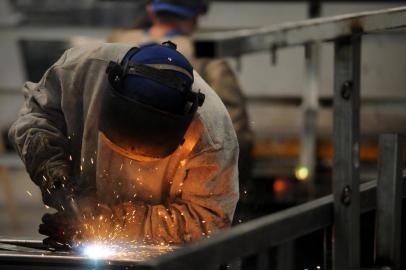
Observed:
{"x":310,"y":102}
{"x":346,"y":153}
{"x":239,"y":42}
{"x":389,"y":200}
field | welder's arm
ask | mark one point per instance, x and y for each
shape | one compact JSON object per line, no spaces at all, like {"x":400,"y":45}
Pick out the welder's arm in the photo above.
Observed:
{"x":204,"y":204}
{"x":39,"y":132}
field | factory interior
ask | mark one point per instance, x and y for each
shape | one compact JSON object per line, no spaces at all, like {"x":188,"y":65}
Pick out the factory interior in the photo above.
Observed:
{"x":286,"y":58}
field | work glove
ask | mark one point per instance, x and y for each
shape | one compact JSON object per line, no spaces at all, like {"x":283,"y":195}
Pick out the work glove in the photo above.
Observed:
{"x":94,"y":222}
{"x":57,"y":186}
{"x":66,"y":228}
{"x":60,"y":229}
{"x":46,"y":160}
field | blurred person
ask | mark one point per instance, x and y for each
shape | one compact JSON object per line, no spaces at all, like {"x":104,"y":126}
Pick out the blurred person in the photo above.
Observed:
{"x":128,"y":144}
{"x":178,"y":20}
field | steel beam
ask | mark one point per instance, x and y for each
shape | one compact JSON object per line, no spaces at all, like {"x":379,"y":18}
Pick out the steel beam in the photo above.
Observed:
{"x":235,"y":43}
{"x":346,"y":153}
{"x":389,"y":201}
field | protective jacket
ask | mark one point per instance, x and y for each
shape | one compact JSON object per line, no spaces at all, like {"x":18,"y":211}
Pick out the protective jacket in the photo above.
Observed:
{"x":190,"y":194}
{"x":218,"y":74}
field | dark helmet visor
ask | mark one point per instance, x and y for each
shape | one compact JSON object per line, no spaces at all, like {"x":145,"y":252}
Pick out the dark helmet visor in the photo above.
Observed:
{"x":140,"y":129}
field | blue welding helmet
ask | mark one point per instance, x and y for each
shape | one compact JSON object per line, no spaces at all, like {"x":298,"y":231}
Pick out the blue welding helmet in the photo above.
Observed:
{"x":150,"y":104}
{"x":182,"y":8}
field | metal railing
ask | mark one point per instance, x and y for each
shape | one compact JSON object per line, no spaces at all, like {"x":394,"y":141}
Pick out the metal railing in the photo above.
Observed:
{"x":342,"y":209}
{"x":258,"y":236}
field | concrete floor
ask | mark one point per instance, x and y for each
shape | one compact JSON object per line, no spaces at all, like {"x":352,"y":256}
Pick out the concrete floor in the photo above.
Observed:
{"x":23,"y":223}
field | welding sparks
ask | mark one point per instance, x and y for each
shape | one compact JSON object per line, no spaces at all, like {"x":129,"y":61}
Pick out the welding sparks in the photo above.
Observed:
{"x":29,"y":193}
{"x":97,"y":251}
{"x":136,"y":251}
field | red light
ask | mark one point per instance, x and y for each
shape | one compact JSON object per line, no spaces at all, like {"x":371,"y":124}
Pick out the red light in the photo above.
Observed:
{"x":280,"y":185}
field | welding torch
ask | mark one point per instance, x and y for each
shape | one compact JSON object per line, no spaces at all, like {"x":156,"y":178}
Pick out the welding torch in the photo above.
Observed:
{"x":72,"y":205}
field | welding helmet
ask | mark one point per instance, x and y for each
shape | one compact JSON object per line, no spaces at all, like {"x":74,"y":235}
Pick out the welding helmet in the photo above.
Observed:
{"x":150,"y":104}
{"x":182,"y":8}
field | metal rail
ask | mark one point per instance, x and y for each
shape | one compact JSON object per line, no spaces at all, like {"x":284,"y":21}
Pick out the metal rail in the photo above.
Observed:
{"x":235,"y":43}
{"x":243,"y":240}
{"x":346,"y":32}
{"x":261,"y":234}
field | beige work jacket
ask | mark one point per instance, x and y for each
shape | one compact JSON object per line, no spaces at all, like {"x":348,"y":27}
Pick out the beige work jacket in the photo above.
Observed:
{"x":188,"y":195}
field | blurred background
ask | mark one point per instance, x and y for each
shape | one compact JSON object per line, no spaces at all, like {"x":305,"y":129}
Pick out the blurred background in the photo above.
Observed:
{"x":34,"y":33}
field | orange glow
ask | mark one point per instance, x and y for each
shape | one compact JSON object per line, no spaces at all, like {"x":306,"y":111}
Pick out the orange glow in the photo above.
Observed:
{"x":280,"y":185}
{"x":124,"y":152}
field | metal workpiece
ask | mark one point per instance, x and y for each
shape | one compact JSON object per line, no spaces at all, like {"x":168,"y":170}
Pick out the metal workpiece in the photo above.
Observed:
{"x":389,"y":201}
{"x":32,"y":254}
{"x":346,"y":181}
{"x":232,"y":43}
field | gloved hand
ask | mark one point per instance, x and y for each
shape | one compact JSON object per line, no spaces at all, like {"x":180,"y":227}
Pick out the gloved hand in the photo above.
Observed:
{"x":57,"y":186}
{"x":60,"y":228}
{"x":64,"y":228}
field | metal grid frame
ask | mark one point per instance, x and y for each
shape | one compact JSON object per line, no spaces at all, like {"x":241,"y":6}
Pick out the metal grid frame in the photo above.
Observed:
{"x":347,"y":202}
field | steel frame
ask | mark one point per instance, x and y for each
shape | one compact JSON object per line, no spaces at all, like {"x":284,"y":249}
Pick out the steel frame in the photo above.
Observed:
{"x":236,"y":43}
{"x":346,"y":161}
{"x":389,"y":201}
{"x":346,"y":32}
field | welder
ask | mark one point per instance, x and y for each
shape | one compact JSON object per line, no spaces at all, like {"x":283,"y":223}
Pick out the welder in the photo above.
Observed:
{"x":134,"y":137}
{"x":177,"y":20}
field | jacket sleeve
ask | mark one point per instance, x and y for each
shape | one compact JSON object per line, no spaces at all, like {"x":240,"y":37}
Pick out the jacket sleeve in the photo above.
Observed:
{"x":204,"y":204}
{"x":39,"y":133}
